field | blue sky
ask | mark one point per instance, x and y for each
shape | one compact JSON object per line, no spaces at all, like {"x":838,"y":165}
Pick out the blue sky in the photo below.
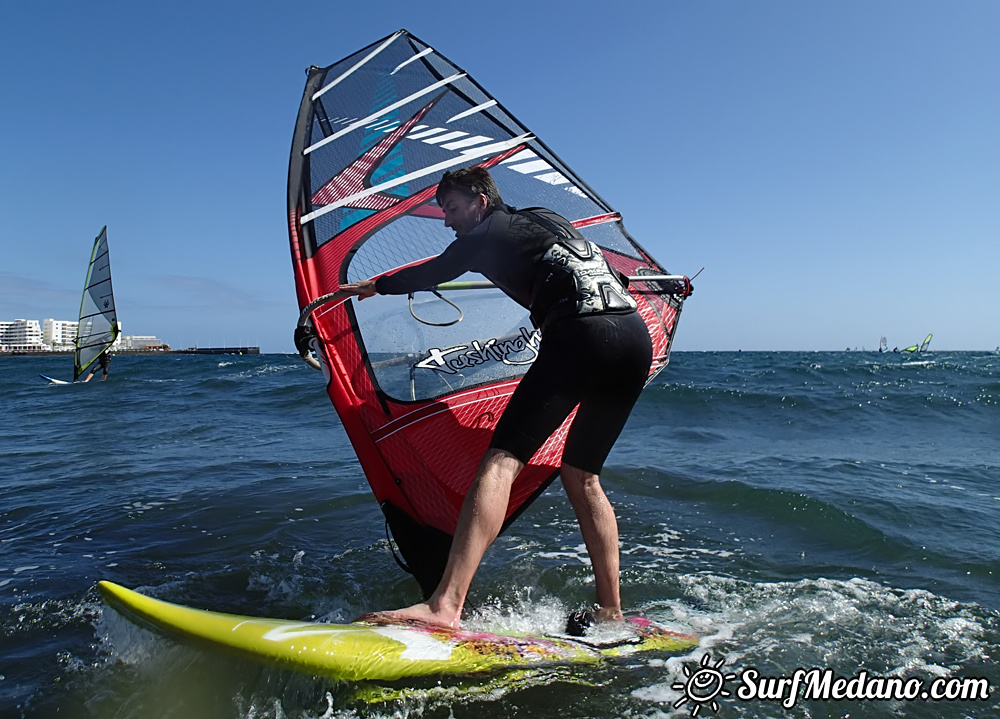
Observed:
{"x":835,"y":166}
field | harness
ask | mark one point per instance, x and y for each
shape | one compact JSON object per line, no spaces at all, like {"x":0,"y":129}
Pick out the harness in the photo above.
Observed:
{"x":574,"y":278}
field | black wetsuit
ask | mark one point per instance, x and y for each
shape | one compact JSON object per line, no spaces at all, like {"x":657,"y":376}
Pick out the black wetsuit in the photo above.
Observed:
{"x":595,"y":349}
{"x":105,"y":362}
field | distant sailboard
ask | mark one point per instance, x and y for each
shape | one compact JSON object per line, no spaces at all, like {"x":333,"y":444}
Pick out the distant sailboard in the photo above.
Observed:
{"x":364,"y":651}
{"x":98,"y":326}
{"x":53,"y":380}
{"x":922,"y":347}
{"x":420,"y":382}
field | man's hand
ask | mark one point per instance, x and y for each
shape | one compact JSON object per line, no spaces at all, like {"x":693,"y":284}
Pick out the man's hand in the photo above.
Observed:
{"x":364,"y":288}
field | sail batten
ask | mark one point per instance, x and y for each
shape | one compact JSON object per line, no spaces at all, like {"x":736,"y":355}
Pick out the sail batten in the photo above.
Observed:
{"x":467,"y":156}
{"x":375,"y":115}
{"x":422,"y":53}
{"x":375,"y":52}
{"x":472,"y":111}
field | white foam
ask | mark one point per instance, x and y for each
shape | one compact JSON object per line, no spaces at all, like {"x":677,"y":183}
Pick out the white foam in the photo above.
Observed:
{"x":840,"y":624}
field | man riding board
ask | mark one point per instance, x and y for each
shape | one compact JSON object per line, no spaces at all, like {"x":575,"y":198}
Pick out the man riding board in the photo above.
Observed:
{"x":595,"y":352}
{"x":103,"y":363}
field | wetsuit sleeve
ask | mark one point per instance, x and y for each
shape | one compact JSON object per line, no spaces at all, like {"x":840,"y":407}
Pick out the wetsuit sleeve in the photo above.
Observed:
{"x":459,"y":257}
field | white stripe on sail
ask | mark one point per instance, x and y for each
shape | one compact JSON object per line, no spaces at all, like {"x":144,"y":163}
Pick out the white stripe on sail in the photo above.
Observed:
{"x":529,"y":167}
{"x":472,"y":110}
{"x":383,"y":111}
{"x":370,"y":55}
{"x":404,"y":421}
{"x":389,"y":184}
{"x":444,"y":138}
{"x":553,"y":178}
{"x":419,"y":55}
{"x":425,"y":133}
{"x":522,"y":155}
{"x":474,"y":140}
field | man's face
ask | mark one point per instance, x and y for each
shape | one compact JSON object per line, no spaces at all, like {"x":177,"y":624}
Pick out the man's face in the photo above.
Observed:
{"x":461,"y":213}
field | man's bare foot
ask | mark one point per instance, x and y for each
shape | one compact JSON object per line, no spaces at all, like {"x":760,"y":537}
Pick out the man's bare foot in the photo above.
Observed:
{"x":604,"y":615}
{"x":422,"y":613}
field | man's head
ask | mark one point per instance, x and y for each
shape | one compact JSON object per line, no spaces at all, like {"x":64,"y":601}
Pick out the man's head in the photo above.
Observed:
{"x":466,"y":196}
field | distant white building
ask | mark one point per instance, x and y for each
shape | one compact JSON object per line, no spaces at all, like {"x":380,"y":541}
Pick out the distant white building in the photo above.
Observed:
{"x":140,"y":342}
{"x":60,"y":334}
{"x":21,"y":335}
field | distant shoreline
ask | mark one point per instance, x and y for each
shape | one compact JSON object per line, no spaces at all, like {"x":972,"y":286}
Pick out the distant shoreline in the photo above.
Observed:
{"x":256,"y":351}
{"x":141,"y":353}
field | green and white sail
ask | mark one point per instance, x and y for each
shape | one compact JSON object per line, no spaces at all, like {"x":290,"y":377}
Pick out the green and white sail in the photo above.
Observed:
{"x":922,"y":347}
{"x":98,"y":328}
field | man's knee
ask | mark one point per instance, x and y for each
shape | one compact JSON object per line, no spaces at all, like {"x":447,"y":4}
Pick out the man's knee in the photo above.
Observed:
{"x":576,"y":480}
{"x":577,"y":474}
{"x":500,"y":464}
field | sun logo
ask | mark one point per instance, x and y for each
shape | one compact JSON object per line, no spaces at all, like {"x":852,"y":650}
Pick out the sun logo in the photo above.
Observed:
{"x":703,"y":685}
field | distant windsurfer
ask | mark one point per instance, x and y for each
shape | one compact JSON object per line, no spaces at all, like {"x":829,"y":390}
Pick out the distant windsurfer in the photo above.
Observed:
{"x":595,"y":352}
{"x":103,"y":363}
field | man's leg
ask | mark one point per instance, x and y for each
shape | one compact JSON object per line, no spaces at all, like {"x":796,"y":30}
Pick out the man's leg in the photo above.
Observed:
{"x":600,"y":533}
{"x":619,"y":357}
{"x":479,"y":523}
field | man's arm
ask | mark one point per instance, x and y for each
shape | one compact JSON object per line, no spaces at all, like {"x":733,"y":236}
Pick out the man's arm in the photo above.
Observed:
{"x":455,"y":260}
{"x":451,"y":263}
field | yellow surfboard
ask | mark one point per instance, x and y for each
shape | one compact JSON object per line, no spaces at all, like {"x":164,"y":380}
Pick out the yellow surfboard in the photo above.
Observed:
{"x":363,"y":651}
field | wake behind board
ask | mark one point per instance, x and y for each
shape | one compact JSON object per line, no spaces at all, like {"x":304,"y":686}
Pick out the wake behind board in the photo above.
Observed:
{"x":52,"y":380}
{"x":363,"y":651}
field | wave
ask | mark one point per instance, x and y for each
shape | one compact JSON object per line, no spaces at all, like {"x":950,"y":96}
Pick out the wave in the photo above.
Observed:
{"x":776,"y":627}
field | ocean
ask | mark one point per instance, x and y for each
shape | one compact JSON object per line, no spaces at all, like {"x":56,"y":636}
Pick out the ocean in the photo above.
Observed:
{"x":829,"y":511}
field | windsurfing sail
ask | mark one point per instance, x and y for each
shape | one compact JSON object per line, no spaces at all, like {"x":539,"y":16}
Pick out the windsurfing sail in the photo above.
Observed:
{"x":419,"y":398}
{"x":98,"y":327}
{"x":921,"y":347}
{"x":882,"y":344}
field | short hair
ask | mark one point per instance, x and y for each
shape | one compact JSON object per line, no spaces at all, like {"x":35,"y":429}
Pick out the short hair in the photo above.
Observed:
{"x":471,"y":182}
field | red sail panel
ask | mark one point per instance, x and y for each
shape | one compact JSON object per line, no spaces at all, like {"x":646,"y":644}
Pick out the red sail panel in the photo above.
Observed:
{"x":419,"y":399}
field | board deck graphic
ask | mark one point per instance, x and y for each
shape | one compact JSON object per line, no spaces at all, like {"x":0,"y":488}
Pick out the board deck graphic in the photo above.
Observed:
{"x":362,"y":651}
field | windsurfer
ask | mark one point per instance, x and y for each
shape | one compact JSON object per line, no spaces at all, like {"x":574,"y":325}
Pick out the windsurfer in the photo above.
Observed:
{"x":595,"y":352}
{"x":104,"y":363}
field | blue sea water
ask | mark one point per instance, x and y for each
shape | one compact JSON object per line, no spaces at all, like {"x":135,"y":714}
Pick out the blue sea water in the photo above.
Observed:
{"x":795,"y":510}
